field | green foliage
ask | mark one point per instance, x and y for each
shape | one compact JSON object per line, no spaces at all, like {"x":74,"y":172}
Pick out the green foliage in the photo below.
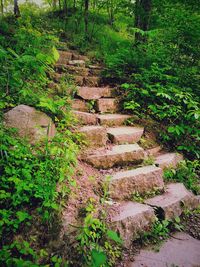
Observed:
{"x":98,"y":246}
{"x":161,"y":230}
{"x":141,"y":197}
{"x":186,"y":173}
{"x":154,"y":93}
{"x":162,"y":74}
{"x":29,"y":179}
{"x":25,"y":56}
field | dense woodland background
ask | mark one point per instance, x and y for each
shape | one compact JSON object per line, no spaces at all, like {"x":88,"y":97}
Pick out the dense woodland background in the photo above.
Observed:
{"x":150,"y":50}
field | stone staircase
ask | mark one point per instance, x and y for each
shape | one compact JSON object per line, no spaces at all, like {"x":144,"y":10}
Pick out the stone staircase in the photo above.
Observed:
{"x":113,"y":147}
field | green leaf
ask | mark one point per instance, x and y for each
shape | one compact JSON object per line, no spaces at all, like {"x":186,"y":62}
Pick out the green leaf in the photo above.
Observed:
{"x":99,"y":258}
{"x":171,"y":129}
{"x":55,"y":54}
{"x":114,"y":236}
{"x":22,"y":216}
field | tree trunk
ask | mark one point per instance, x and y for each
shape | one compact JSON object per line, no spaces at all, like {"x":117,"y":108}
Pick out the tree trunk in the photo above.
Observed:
{"x":65,"y":7}
{"x":86,"y":16}
{"x":54,"y":4}
{"x":1,"y":7}
{"x":110,"y":8}
{"x":142,"y":17}
{"x":59,"y":4}
{"x":16,"y":9}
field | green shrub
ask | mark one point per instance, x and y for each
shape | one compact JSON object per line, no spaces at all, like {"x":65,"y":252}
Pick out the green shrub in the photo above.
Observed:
{"x":26,"y":55}
{"x":188,"y":173}
{"x":98,"y":246}
{"x":155,"y":93}
{"x":30,"y":178}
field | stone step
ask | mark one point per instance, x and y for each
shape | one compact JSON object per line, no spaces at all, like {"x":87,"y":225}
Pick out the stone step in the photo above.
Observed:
{"x":57,"y":76}
{"x":115,"y":156}
{"x":113,"y":119}
{"x":77,"y":63}
{"x":96,"y":67}
{"x":65,"y":56}
{"x":125,"y":134}
{"x":92,"y":81}
{"x":85,"y":117}
{"x":79,"y":80}
{"x":124,"y":184}
{"x":92,"y":93}
{"x":172,"y":203}
{"x":89,"y":81}
{"x":80,"y":105}
{"x":73,"y":70}
{"x":76,"y":56}
{"x":95,"y":135}
{"x":81,"y":71}
{"x":153,"y":152}
{"x":105,"y":105}
{"x":168,"y":160}
{"x":96,"y":71}
{"x":132,"y":219}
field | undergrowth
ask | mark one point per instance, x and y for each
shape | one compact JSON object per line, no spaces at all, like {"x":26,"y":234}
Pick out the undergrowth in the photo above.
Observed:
{"x":187,"y":173}
{"x":98,"y":245}
{"x":30,"y":178}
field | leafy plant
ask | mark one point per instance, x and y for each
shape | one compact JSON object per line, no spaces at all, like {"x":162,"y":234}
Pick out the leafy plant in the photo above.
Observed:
{"x":95,"y":240}
{"x":156,"y":94}
{"x":186,"y":173}
{"x":141,"y":197}
{"x":29,"y":180}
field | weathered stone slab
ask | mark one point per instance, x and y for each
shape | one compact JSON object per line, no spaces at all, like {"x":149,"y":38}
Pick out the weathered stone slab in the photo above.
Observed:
{"x":132,"y":219}
{"x":173,"y":201}
{"x":154,"y":151}
{"x":92,"y":93}
{"x":180,"y":250}
{"x":117,"y":155}
{"x":94,"y":70}
{"x":80,"y":105}
{"x":85,"y":118}
{"x":113,"y":119}
{"x":31,"y":123}
{"x":76,"y":56}
{"x":123,"y":135}
{"x":65,"y":56}
{"x":168,"y":160}
{"x":81,"y":71}
{"x":123,"y":184}
{"x":78,"y":63}
{"x":92,"y":81}
{"x":79,"y":80}
{"x":95,"y":135}
{"x":57,"y":76}
{"x":104,"y":105}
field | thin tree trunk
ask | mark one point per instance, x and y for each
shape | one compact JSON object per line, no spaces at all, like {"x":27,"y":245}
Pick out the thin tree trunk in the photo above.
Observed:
{"x":142,"y":17}
{"x":65,"y":7}
{"x":86,"y":16}
{"x":1,"y":7}
{"x":54,"y":4}
{"x":59,"y":4}
{"x":16,"y":9}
